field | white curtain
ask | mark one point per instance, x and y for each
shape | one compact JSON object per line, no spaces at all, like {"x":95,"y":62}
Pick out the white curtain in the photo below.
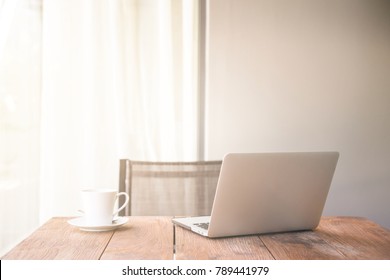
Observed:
{"x":20,"y":72}
{"x":119,"y":80}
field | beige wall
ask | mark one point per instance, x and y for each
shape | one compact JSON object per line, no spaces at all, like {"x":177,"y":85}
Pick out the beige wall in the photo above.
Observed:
{"x":304,"y":75}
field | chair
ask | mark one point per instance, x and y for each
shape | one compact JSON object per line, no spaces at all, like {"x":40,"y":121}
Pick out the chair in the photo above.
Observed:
{"x":168,"y":188}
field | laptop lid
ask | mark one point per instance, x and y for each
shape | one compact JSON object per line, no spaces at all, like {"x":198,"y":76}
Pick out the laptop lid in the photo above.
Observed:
{"x":271,"y":192}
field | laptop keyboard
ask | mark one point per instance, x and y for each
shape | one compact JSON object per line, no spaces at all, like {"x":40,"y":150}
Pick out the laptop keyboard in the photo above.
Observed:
{"x":203,"y":225}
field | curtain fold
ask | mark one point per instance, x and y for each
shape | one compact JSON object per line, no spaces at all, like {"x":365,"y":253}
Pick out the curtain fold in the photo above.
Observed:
{"x":20,"y":96}
{"x":97,"y":81}
{"x":113,"y":88}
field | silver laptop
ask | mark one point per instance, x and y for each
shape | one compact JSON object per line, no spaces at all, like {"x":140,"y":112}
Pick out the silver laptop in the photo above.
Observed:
{"x":267,"y":192}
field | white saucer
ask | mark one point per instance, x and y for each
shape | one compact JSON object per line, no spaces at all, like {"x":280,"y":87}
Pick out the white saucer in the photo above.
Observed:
{"x":80,"y":223}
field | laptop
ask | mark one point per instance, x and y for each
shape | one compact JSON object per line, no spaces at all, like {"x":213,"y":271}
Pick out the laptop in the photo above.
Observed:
{"x":267,"y":192}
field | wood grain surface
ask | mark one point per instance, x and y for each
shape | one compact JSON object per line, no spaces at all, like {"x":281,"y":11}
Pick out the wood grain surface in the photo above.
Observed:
{"x":191,"y":246}
{"x":302,"y":245}
{"x":142,"y":238}
{"x":56,"y":239}
{"x":356,"y":238}
{"x":155,"y":238}
{"x":335,"y":238}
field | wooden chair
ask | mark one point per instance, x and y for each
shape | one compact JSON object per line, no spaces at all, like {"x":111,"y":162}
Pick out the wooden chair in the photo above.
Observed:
{"x":168,"y":188}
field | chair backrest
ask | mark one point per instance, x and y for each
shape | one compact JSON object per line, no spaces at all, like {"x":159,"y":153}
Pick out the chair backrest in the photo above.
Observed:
{"x":168,"y":188}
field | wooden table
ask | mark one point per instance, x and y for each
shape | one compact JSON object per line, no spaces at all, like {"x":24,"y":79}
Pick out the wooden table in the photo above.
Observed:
{"x":157,"y":238}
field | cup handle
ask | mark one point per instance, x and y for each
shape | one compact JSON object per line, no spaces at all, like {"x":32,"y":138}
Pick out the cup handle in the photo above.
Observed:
{"x":124,"y":204}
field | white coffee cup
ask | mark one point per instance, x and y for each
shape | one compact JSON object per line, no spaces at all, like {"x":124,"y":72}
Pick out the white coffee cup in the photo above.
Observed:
{"x":98,"y":205}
